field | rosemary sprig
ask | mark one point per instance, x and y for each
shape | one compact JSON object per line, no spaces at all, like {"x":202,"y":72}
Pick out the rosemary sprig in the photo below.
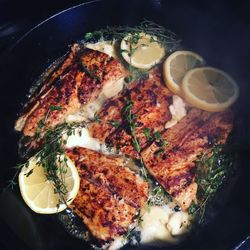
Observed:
{"x":212,"y":170}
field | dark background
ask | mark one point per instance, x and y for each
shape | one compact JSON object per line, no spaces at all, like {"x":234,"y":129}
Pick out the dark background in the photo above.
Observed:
{"x":218,"y":30}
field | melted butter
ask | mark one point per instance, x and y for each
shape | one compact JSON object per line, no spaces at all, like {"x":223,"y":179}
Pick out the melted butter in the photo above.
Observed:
{"x":106,"y":47}
{"x":81,"y":137}
{"x":88,"y":111}
{"x":161,"y":224}
{"x":177,"y":110}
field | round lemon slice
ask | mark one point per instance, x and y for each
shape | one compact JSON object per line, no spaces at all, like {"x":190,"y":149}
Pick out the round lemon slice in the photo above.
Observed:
{"x":38,"y":192}
{"x":209,"y":89}
{"x":142,"y":50}
{"x":177,"y":65}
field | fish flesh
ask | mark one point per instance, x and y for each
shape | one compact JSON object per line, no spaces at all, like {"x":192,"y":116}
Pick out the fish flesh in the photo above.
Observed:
{"x":149,"y":100}
{"x":79,"y":80}
{"x":173,"y":166}
{"x":110,"y":194}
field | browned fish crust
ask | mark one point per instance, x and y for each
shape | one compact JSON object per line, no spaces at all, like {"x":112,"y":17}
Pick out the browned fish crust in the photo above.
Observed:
{"x":174,"y":168}
{"x":110,"y":194}
{"x":150,"y":101}
{"x":79,"y":81}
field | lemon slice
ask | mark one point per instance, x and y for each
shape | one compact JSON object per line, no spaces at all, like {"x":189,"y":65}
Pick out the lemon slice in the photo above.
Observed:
{"x":38,"y":193}
{"x":209,"y":89}
{"x":142,"y":50}
{"x":177,"y":65}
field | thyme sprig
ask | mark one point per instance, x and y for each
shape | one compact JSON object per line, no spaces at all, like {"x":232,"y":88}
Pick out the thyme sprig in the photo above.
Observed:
{"x":51,"y":158}
{"x":165,"y":37}
{"x":132,"y":229}
{"x":116,"y":33}
{"x":212,"y":170}
{"x":129,"y":120}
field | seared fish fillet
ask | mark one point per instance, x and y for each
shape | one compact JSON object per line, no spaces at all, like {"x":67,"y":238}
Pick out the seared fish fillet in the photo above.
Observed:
{"x":110,"y":194}
{"x":174,"y":168}
{"x":77,"y":82}
{"x":150,"y":101}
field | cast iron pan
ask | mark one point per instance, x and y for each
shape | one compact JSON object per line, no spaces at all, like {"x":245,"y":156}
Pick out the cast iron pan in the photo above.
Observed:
{"x":216,"y":37}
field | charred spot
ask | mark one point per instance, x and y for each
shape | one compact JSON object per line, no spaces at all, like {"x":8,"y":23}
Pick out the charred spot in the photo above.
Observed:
{"x":154,"y":86}
{"x":59,"y":96}
{"x":120,"y":230}
{"x":58,"y":82}
{"x":105,"y":171}
{"x":175,"y":148}
{"x":139,"y":124}
{"x":107,"y":224}
{"x":83,"y":166}
{"x":139,"y":98}
{"x":164,"y":156}
{"x":75,"y":151}
{"x":110,"y":104}
{"x":137,"y":90}
{"x":126,"y":180}
{"x":152,"y":96}
{"x":211,"y":140}
{"x":169,"y":99}
{"x":200,"y":123}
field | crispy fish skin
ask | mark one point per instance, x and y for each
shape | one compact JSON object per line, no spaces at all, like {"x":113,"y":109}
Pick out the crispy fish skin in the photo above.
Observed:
{"x":110,"y":194}
{"x":174,"y":168}
{"x":150,"y":104}
{"x":83,"y":75}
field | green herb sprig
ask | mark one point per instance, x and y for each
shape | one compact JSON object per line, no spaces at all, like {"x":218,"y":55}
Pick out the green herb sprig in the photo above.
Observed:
{"x":165,"y":37}
{"x":129,"y":120}
{"x":116,"y":33}
{"x":212,"y":170}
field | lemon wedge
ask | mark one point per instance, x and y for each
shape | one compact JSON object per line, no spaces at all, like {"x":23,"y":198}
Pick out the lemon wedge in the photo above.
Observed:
{"x":209,"y":89}
{"x":142,"y":50}
{"x":177,"y":65}
{"x":38,"y":192}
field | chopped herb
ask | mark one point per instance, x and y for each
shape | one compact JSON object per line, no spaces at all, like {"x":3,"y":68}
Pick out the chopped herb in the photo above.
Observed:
{"x":193,"y":208}
{"x":88,"y":36}
{"x":96,"y":118}
{"x":29,"y":173}
{"x":114,"y":123}
{"x":159,"y":151}
{"x":146,"y":132}
{"x":157,"y":135}
{"x":135,"y":142}
{"x":53,"y":108}
{"x":41,"y":124}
